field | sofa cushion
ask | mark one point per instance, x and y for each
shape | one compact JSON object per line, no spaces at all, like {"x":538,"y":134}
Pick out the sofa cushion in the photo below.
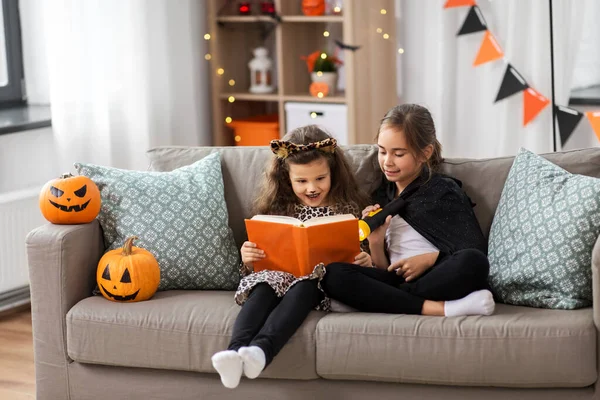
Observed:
{"x":483,"y":179}
{"x":179,"y":216}
{"x":541,"y":241}
{"x":243,"y":169}
{"x":178,"y":330}
{"x":515,"y":347}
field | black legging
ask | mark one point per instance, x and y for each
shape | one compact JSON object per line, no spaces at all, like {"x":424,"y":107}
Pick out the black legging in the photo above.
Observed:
{"x":268,"y":321}
{"x":377,"y":290}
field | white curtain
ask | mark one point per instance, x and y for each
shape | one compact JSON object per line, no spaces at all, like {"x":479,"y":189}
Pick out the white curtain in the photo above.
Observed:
{"x":126,"y":75}
{"x":437,"y":71}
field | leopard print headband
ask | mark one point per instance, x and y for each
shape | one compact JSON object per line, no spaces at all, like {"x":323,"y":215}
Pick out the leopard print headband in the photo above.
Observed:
{"x":283,"y":149}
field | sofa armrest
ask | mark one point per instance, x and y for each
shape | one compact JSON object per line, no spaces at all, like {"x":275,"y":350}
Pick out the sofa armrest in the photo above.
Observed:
{"x":596,"y":303}
{"x":62,"y":270}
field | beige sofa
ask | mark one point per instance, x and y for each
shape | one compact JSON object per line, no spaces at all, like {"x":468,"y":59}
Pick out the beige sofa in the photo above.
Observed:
{"x":90,"y":348}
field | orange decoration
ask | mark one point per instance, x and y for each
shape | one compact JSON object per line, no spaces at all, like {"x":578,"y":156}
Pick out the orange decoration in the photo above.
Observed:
{"x":533,"y":103}
{"x":489,"y":50}
{"x":70,"y":200}
{"x":313,"y":7}
{"x":319,"y":87}
{"x":594,"y":118}
{"x":459,"y":3}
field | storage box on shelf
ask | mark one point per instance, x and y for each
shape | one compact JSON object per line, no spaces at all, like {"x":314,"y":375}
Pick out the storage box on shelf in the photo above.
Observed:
{"x":367,"y":80}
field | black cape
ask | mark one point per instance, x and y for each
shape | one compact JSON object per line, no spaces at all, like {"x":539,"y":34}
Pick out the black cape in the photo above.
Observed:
{"x":439,"y":210}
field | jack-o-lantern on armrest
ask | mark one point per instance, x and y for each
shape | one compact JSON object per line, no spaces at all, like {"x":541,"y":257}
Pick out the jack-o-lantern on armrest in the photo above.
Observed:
{"x":70,"y":200}
{"x":128,"y":274}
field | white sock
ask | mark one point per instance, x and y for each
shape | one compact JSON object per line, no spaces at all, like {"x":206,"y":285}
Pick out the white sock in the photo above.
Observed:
{"x":228,"y":364}
{"x":254,"y":361}
{"x":480,"y":302}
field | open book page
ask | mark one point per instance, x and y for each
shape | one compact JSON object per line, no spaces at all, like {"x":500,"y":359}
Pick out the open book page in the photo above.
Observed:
{"x":328,"y":219}
{"x":281,"y":219}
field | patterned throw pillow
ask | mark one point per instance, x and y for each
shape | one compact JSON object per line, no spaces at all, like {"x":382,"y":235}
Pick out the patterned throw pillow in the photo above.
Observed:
{"x":542,"y":236}
{"x":179,"y":216}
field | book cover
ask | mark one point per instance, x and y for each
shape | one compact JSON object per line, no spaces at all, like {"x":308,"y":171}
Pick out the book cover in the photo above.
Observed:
{"x":296,"y":247}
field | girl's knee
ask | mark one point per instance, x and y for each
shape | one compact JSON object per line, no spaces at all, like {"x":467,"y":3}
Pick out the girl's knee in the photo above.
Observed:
{"x":477,"y":262}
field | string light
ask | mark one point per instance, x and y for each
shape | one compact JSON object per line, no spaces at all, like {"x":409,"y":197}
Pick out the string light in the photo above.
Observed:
{"x":228,"y":120}
{"x":313,"y":114}
{"x":220,"y":71}
{"x":231,"y":82}
{"x":231,"y":99}
{"x":238,"y":138}
{"x":326,"y":34}
{"x":401,"y":50}
{"x":337,"y":9}
{"x":379,"y":30}
{"x":386,"y":36}
{"x":319,"y":73}
{"x":207,"y":36}
{"x":383,"y":11}
{"x":320,"y":95}
{"x":323,"y":56}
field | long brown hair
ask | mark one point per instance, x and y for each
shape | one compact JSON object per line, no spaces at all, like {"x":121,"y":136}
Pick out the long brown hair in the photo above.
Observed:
{"x":277,"y":196}
{"x":419,"y":130}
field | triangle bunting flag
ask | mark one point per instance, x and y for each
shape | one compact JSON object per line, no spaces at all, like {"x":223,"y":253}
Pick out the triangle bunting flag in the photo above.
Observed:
{"x":512,"y":83}
{"x":533,"y":104}
{"x":489,"y":50}
{"x":567,"y":119}
{"x":594,"y":117}
{"x":473,"y":23}
{"x":459,"y":3}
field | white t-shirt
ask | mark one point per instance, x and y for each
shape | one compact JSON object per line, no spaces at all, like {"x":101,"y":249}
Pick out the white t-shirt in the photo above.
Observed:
{"x":404,"y":241}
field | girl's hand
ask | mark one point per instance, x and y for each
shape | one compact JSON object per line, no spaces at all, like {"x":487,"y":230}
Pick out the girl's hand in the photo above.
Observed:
{"x":363,"y":259}
{"x":369,"y":209}
{"x":413,"y":267}
{"x":251,"y":253}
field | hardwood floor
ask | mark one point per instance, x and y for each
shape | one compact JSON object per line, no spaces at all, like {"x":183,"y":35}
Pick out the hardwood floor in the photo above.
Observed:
{"x":17,"y":376}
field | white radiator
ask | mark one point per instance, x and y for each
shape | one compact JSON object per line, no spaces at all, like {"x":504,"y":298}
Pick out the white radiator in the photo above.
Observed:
{"x":19,"y":214}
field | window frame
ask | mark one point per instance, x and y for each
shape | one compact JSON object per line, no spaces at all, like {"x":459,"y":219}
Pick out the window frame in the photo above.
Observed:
{"x":14,"y":92}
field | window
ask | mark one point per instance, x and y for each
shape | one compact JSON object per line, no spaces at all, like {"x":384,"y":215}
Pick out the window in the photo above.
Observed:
{"x":11,"y":56}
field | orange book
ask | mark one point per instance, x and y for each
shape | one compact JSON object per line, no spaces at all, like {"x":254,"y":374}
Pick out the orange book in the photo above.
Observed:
{"x":294,"y":246}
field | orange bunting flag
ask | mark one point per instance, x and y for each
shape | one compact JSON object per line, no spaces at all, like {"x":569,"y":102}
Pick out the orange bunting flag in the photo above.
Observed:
{"x":459,"y":3}
{"x":533,"y":103}
{"x":489,"y":50}
{"x":594,"y":117}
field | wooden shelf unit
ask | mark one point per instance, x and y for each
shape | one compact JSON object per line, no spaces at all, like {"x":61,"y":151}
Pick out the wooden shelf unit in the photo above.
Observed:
{"x":369,"y":73}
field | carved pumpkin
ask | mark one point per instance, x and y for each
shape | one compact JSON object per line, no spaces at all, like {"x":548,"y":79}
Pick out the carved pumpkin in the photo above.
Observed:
{"x":319,"y":87}
{"x":128,"y":274}
{"x":313,"y":7}
{"x":70,"y":200}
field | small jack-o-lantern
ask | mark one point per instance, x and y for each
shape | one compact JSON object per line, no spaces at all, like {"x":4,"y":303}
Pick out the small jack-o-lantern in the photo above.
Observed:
{"x":313,"y":7}
{"x":319,"y":89}
{"x":128,"y":274}
{"x":70,"y":200}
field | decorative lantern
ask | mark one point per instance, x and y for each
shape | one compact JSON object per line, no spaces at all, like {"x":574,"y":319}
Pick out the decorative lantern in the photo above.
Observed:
{"x":261,"y":70}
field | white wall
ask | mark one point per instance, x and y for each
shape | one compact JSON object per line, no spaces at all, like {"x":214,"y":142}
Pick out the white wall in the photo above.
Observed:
{"x":27,"y":159}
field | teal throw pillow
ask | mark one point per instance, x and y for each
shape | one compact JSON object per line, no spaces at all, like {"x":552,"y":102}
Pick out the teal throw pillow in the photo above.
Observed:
{"x":541,"y":239}
{"x":179,"y":216}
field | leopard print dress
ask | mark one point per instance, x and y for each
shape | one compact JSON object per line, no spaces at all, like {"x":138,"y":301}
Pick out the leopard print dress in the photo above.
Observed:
{"x":281,"y":281}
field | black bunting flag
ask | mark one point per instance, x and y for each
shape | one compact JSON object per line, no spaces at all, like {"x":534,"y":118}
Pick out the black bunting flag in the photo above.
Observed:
{"x":473,"y":23}
{"x":568,"y":119}
{"x":512,"y":83}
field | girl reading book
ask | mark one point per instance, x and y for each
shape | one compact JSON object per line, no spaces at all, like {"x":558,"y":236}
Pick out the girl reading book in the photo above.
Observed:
{"x":431,"y":258}
{"x":308,"y":177}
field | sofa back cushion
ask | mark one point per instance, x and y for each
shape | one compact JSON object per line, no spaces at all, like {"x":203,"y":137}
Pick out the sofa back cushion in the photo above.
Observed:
{"x":243,"y":169}
{"x":483,"y":179}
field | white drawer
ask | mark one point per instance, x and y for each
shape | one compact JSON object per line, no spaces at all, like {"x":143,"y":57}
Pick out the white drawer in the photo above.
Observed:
{"x":331,"y":117}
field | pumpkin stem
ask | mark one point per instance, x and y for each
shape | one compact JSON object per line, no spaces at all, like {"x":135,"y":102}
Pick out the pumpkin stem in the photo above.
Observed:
{"x":66,"y":175}
{"x":128,"y":245}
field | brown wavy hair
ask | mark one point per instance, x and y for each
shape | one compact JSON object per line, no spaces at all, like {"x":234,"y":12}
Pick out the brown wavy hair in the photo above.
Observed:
{"x":419,"y":130}
{"x":277,"y":196}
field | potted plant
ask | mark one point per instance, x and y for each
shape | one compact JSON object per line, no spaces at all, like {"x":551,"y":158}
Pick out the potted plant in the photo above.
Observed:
{"x":323,"y":68}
